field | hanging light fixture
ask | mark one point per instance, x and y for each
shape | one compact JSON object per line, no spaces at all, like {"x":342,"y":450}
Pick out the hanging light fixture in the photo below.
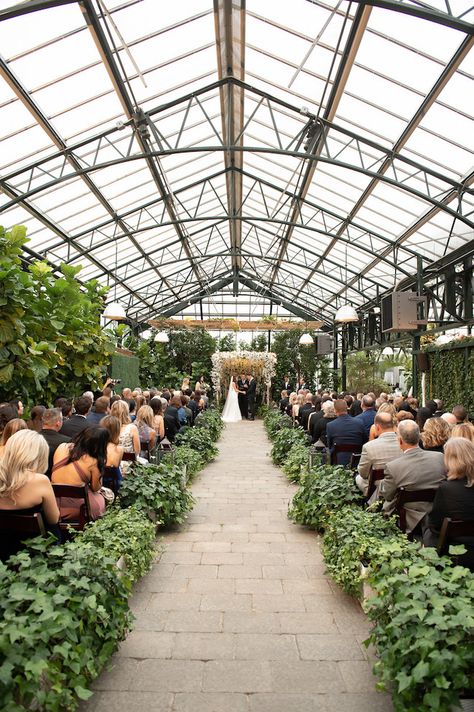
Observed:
{"x":443,"y":339}
{"x":346,"y":314}
{"x":114,"y":311}
{"x":306,"y":340}
{"x":388,"y":351}
{"x":162,"y":337}
{"x":146,"y":334}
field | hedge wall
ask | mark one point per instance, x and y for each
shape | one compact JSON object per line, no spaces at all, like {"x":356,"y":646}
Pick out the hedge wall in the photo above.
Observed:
{"x":126,"y":368}
{"x":451,"y":374}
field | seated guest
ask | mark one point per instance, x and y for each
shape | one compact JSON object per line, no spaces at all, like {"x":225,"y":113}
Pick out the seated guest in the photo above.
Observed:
{"x":432,"y":407}
{"x":12,"y":427}
{"x":188,"y":412}
{"x":315,"y":414}
{"x":145,"y":426}
{"x":78,"y":421}
{"x":291,"y":402}
{"x":305,"y":410}
{"x":384,"y":408}
{"x":99,"y":411}
{"x":82,"y":462}
{"x":23,"y":486}
{"x":132,"y":409}
{"x":416,"y":469}
{"x":422,"y":416}
{"x":114,"y":450}
{"x":460,"y":413}
{"x":192,"y":405}
{"x":296,"y":407}
{"x":319,"y":426}
{"x":175,"y":404}
{"x":128,"y":438}
{"x":367,"y":416}
{"x":455,"y":497}
{"x":126,"y":394}
{"x":65,"y":405}
{"x":463,"y":430}
{"x":35,"y":421}
{"x":284,"y":400}
{"x":439,"y":408}
{"x":404,"y":415}
{"x":450,"y":418}
{"x":7,"y":412}
{"x":345,"y":430}
{"x":171,"y":426}
{"x":198,"y":400}
{"x":435,"y":434}
{"x":376,"y":453}
{"x":158,"y":421}
{"x":139,"y":401}
{"x":182,"y":417}
{"x":356,"y":408}
{"x":52,"y":423}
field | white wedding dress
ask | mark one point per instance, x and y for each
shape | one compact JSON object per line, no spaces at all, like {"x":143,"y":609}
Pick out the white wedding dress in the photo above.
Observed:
{"x":231,"y":412}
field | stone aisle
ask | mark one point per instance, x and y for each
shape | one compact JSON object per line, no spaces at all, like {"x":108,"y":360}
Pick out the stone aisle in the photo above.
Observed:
{"x":237,"y":615}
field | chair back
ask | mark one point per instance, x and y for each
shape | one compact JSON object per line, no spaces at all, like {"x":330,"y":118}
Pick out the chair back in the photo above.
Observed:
{"x":16,"y":526}
{"x":374,"y":477}
{"x":129,"y":457}
{"x":405,"y":496}
{"x":346,"y":447}
{"x":145,"y":449}
{"x":453,"y":529}
{"x":110,"y":478}
{"x":79,"y":520}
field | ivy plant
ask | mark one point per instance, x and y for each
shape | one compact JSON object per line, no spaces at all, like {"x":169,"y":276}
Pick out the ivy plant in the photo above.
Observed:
{"x":158,"y":489}
{"x":200,"y":440}
{"x":185,"y":455}
{"x":423,"y":617}
{"x":323,"y":491}
{"x":296,"y":461}
{"x":283,"y":441}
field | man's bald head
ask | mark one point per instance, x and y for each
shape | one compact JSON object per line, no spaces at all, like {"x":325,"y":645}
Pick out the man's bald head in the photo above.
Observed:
{"x":384,"y":421}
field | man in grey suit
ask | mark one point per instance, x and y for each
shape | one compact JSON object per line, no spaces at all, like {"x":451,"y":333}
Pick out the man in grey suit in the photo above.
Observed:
{"x":416,"y":469}
{"x":376,"y":453}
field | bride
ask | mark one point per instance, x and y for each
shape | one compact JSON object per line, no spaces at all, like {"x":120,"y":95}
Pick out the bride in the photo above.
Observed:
{"x":231,"y":412}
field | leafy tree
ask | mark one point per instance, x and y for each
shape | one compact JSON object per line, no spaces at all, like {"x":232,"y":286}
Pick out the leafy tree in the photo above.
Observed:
{"x":363,"y":373}
{"x":226,"y":343}
{"x":293,"y":359}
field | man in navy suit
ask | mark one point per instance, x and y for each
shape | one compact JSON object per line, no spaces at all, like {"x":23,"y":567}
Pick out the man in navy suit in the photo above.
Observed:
{"x":345,"y":430}
{"x":367,"y":416}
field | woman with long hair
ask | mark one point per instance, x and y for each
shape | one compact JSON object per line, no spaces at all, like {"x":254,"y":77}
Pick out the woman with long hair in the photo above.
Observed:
{"x":129,"y":438}
{"x":82,"y":462}
{"x":158,"y":419}
{"x":455,"y":497}
{"x":114,"y":450}
{"x":231,"y":412}
{"x":35,"y":421}
{"x":12,"y":427}
{"x":145,"y":426}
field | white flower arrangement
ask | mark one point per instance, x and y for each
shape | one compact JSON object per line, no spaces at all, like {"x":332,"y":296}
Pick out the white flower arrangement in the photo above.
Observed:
{"x":228,"y":363}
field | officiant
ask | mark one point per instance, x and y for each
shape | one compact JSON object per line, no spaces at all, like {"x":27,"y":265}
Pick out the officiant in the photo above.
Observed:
{"x":251,"y":394}
{"x":242,"y":385}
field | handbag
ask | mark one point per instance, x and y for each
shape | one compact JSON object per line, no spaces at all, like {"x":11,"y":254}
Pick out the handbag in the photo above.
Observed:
{"x":107,"y":494}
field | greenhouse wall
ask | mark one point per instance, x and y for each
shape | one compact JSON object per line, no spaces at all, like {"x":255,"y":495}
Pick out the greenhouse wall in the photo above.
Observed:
{"x":451,"y":374}
{"x":126,"y":367}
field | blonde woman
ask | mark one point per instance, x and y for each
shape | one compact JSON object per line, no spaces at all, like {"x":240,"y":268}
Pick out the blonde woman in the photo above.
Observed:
{"x":23,"y":486}
{"x":12,"y":427}
{"x":295,"y":411}
{"x":291,"y":402}
{"x":185,"y":384}
{"x":384,"y":408}
{"x":436,"y":433}
{"x":145,"y":425}
{"x":114,"y":450}
{"x":461,"y":430}
{"x":455,"y":497}
{"x":128,"y":438}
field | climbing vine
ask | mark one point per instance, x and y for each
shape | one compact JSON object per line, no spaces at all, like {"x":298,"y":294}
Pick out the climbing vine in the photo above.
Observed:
{"x":451,"y":373}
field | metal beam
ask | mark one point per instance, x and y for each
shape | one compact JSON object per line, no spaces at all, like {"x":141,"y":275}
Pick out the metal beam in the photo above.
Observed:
{"x":424,"y":12}
{"x":230,"y":37}
{"x":269,"y":292}
{"x":194,"y":296}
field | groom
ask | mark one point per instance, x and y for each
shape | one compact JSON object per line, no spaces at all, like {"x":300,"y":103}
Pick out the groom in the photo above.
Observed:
{"x":242,"y":385}
{"x":251,"y":393}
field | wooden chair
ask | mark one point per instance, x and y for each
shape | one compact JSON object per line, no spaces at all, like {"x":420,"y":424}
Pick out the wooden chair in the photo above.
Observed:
{"x":129,"y":457}
{"x":354,"y":461}
{"x":83,"y":516}
{"x":374,"y":477}
{"x":15,"y":527}
{"x":453,"y":529}
{"x":405,"y":496}
{"x":111,"y":479}
{"x":347,"y":447}
{"x":145,"y":449}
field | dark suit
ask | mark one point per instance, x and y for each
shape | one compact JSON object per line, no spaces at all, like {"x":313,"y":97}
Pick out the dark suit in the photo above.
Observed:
{"x":355,"y":409}
{"x":416,"y":469}
{"x":74,"y":425}
{"x":287,"y":386}
{"x":345,"y":430}
{"x":251,"y":393}
{"x":367,"y":417}
{"x":305,"y":412}
{"x":242,"y":397}
{"x":94,"y":418}
{"x":171,"y":425}
{"x":284,"y":404}
{"x":53,"y":438}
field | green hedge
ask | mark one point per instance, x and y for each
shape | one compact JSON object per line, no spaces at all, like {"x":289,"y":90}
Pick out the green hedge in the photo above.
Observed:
{"x":451,"y":374}
{"x":126,"y":369}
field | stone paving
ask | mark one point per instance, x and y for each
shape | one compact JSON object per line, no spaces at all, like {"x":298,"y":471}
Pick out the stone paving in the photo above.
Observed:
{"x":237,"y":614}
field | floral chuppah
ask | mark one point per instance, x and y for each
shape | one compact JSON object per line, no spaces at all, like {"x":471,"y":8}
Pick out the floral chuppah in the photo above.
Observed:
{"x":232,"y":363}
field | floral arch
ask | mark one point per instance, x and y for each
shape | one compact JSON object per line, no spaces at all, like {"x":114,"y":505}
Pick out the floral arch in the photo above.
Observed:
{"x":228,"y":363}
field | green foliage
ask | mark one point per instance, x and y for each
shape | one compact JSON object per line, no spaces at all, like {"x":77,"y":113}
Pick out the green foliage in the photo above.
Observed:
{"x":424,"y":627}
{"x":158,"y":489}
{"x":212,"y":421}
{"x":451,"y":374}
{"x":184,"y":455}
{"x":274,"y":421}
{"x":123,"y":532}
{"x":323,"y":491}
{"x":353,"y":535}
{"x":258,"y":343}
{"x":127,"y":369}
{"x":296,"y":460}
{"x":63,"y":610}
{"x":363,"y":373}
{"x":227,"y":343}
{"x":292,"y":358}
{"x":200,"y":440}
{"x":51,"y":341}
{"x":283,"y":441}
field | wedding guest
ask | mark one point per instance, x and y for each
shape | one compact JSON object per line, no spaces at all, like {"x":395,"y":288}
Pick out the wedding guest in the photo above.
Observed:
{"x":297,"y":405}
{"x":16,"y":403}
{"x":52,"y":423}
{"x":128,"y":438}
{"x":201,"y":384}
{"x":318,"y":432}
{"x":450,"y":418}
{"x":7,"y":412}
{"x":100,"y":410}
{"x":185,"y":384}
{"x":284,"y":400}
{"x":435,"y":434}
{"x":422,"y":416}
{"x":187,"y":410}
{"x":78,"y":421}
{"x":12,"y":427}
{"x":114,"y":450}
{"x":455,"y":497}
{"x":367,"y":416}
{"x":23,"y":486}
{"x":291,"y":402}
{"x":132,"y":407}
{"x":82,"y":462}
{"x":382,"y":449}
{"x":463,"y":430}
{"x":145,"y":426}
{"x":158,"y":420}
{"x":35,"y":421}
{"x":345,"y":430}
{"x":384,"y":408}
{"x":460,"y":413}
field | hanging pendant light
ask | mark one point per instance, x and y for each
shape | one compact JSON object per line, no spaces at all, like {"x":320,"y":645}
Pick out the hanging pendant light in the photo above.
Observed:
{"x":388,"y":351}
{"x":306,"y":340}
{"x":114,"y":311}
{"x":443,"y":339}
{"x":146,"y":334}
{"x":162,"y":337}
{"x":346,"y":314}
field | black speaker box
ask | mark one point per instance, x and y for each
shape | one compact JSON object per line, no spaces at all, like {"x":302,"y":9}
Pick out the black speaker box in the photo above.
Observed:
{"x":423,"y":361}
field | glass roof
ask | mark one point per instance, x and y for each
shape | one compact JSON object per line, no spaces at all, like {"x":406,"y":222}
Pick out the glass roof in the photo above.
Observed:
{"x":212,"y":158}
